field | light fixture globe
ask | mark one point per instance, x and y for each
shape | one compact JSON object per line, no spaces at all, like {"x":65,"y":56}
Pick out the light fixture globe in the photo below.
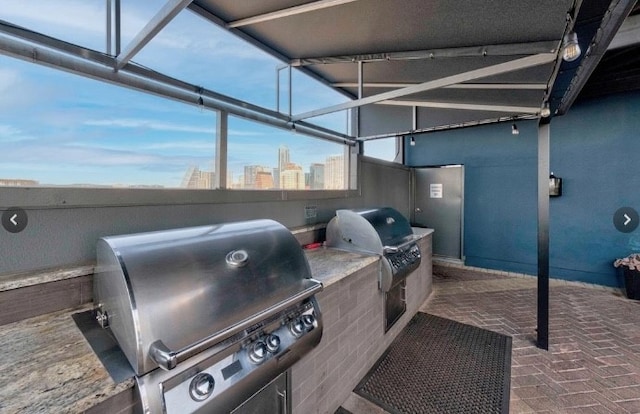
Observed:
{"x":545,"y":111}
{"x":570,"y":47}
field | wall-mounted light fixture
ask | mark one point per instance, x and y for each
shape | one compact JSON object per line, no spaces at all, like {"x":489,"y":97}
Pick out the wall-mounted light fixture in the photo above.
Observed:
{"x":545,"y":111}
{"x":570,"y":47}
{"x":514,"y":129}
{"x":412,"y":141}
{"x":555,"y":186}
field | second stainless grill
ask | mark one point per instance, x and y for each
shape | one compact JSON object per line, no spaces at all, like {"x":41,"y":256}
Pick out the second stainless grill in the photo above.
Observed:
{"x":385,"y":232}
{"x":222,"y":310}
{"x":382,"y":231}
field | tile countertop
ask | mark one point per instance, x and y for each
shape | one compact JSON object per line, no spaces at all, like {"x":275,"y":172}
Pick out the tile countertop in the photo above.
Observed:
{"x":332,"y":265}
{"x":48,"y":367}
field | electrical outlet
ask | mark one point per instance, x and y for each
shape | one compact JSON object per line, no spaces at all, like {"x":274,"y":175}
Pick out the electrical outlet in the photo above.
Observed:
{"x":310,"y":212}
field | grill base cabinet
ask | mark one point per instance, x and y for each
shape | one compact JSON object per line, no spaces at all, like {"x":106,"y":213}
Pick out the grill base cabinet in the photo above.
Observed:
{"x":395,"y":304}
{"x":271,"y":399}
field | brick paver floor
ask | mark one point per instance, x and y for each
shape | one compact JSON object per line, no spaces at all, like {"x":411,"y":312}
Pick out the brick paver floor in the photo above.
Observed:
{"x":593,"y":362}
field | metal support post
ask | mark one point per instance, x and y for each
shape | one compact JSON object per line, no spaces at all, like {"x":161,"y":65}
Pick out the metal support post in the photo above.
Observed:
{"x":543,"y":232}
{"x":290,"y":92}
{"x":360,"y":94}
{"x":277,"y":90}
{"x":108,"y":31}
{"x":221,"y":149}
{"x":117,"y":28}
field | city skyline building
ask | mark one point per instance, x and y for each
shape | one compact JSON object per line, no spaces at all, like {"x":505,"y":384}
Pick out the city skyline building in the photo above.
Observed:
{"x":316,"y":176}
{"x":195,"y":178}
{"x":283,"y":160}
{"x":292,"y":177}
{"x":334,"y":172}
{"x":251,"y":172}
{"x":18,"y":182}
{"x":264,"y":180}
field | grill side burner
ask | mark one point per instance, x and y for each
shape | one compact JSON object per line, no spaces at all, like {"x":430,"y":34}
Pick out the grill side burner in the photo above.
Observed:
{"x":384,"y":232}
{"x":222,"y":310}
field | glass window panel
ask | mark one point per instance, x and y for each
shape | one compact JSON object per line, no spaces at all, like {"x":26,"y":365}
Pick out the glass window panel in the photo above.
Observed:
{"x":204,"y":54}
{"x":310,"y":94}
{"x":76,"y":21}
{"x":384,"y":149}
{"x":135,"y":15}
{"x":261,"y":157}
{"x":58,"y":129}
{"x":195,"y":50}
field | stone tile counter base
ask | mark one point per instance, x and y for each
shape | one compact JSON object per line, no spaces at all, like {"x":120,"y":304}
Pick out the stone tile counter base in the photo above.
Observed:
{"x":353,"y":337}
{"x":48,"y":367}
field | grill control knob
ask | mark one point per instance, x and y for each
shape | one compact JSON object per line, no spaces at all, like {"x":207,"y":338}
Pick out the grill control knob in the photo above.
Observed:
{"x":308,"y":320}
{"x":201,"y":387}
{"x":258,"y":352}
{"x":297,"y":328}
{"x":273,"y":343}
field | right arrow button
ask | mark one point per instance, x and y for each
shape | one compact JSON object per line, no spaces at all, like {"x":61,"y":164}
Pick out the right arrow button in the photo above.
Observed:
{"x":625,"y":219}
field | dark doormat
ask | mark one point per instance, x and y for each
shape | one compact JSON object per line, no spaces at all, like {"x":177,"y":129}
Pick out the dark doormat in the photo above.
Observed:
{"x":437,"y":365}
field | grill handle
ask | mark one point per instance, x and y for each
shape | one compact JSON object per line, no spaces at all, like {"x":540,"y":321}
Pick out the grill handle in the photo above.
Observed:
{"x":398,"y":247}
{"x":282,"y":399}
{"x":168,"y":359}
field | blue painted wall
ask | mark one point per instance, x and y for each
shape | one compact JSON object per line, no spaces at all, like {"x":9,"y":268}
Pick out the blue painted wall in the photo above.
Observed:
{"x":595,"y":148}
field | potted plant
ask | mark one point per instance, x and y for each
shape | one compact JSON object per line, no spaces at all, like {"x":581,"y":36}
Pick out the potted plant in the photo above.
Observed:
{"x":630,"y":267}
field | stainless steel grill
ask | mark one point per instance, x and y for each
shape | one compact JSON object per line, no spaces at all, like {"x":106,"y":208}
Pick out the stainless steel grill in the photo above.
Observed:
{"x":382,"y":231}
{"x":385,"y":232}
{"x":221,"y":310}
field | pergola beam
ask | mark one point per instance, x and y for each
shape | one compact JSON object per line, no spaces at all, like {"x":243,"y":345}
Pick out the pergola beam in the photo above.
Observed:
{"x":466,"y":106}
{"x":508,"y":49}
{"x":496,"y":86}
{"x":500,"y":68}
{"x":290,"y":11}
{"x":152,"y":28}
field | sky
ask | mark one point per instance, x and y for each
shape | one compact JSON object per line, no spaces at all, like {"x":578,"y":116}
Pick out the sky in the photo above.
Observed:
{"x":63,"y":129}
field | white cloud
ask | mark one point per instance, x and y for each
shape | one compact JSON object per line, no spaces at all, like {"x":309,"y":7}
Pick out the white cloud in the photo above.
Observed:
{"x":7,"y":131}
{"x":182,"y":145}
{"x":149,"y":124}
{"x":75,"y":155}
{"x":8,"y":78}
{"x":70,"y":15}
{"x":244,"y":133}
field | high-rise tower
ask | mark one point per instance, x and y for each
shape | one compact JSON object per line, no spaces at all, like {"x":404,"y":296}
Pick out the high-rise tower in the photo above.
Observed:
{"x":334,"y":172}
{"x":283,"y":160}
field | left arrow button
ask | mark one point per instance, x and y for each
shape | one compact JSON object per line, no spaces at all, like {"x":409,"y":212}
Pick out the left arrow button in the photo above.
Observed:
{"x":14,"y":220}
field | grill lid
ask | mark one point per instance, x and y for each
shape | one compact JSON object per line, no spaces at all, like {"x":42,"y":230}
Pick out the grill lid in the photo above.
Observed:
{"x":369,"y":230}
{"x":184,"y":290}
